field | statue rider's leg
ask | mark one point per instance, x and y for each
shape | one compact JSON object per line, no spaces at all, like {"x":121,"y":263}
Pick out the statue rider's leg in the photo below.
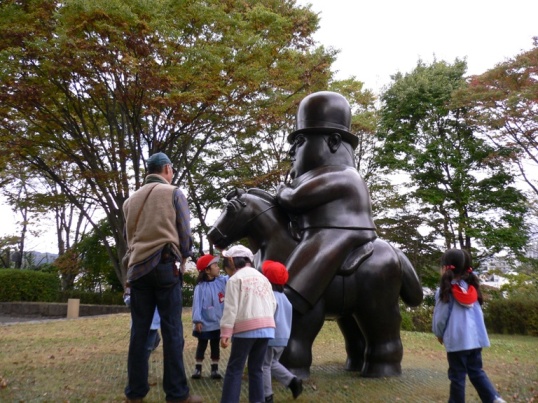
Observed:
{"x":314,"y":263}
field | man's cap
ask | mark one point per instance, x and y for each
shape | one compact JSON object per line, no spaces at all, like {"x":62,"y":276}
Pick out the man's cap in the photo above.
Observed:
{"x":275,"y":272}
{"x":205,"y":261}
{"x":158,"y":160}
{"x":239,"y":251}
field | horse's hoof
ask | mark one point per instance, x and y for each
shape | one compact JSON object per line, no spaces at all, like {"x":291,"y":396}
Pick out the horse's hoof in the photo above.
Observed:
{"x":381,"y":370}
{"x":302,"y":373}
{"x":354,"y":365}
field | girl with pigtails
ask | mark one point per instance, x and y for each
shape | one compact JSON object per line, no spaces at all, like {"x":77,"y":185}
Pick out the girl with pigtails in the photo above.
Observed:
{"x":458,"y":323}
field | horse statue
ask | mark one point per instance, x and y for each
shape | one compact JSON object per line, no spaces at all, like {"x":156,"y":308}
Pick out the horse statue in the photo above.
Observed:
{"x":364,"y":301}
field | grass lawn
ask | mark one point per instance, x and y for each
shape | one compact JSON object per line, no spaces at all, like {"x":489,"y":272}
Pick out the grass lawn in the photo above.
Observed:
{"x":84,"y":360}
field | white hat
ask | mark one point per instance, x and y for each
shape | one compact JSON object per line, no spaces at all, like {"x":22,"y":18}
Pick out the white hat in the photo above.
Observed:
{"x":239,"y":251}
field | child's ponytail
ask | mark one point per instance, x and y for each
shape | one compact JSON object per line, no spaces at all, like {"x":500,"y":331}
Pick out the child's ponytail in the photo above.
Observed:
{"x":457,"y":263}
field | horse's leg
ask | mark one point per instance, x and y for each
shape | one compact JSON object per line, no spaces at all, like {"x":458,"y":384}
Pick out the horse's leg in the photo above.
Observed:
{"x":297,"y":356}
{"x":355,"y":343}
{"x":339,"y":304}
{"x":384,"y":350}
{"x":378,"y":283}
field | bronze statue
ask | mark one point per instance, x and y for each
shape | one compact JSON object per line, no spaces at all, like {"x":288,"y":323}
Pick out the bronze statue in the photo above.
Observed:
{"x":338,"y":267}
{"x":327,"y":195}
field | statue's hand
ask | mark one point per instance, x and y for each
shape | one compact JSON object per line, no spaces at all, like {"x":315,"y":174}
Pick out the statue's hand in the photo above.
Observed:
{"x":279,"y":190}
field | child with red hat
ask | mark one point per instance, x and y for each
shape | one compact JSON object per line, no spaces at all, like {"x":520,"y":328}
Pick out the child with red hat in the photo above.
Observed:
{"x":277,"y":274}
{"x":207,"y":308}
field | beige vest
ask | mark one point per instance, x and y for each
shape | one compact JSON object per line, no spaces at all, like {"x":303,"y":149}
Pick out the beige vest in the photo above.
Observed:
{"x":157,"y":223}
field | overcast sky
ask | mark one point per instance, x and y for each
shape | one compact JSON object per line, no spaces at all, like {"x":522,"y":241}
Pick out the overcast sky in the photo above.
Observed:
{"x":378,"y":38}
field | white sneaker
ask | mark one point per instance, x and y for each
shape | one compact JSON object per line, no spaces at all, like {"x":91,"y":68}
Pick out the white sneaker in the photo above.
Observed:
{"x":499,"y":399}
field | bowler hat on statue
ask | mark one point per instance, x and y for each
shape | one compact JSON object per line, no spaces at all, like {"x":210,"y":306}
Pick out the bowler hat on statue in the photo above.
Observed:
{"x":324,"y":112}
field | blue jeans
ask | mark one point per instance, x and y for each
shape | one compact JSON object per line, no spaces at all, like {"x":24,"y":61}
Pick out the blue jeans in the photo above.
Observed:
{"x":162,"y":289}
{"x":242,"y":348}
{"x":468,"y":362}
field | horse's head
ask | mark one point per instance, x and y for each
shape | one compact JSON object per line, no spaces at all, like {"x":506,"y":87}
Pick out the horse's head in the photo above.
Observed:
{"x":237,"y":218}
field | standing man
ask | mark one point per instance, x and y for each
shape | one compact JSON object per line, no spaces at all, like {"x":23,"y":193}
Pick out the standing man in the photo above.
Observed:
{"x":157,"y":227}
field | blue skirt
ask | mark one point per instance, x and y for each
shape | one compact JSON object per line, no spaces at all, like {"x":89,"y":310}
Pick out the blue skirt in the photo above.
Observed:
{"x":213,"y":334}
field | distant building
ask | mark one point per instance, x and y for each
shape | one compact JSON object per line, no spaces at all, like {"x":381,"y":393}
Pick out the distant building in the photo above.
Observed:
{"x":495,"y":264}
{"x":493,"y":280}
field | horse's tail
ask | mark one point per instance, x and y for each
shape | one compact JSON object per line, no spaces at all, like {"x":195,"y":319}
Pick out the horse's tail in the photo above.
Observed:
{"x":411,"y":291}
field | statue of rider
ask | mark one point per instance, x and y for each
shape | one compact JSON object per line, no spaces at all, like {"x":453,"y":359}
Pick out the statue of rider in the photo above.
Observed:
{"x":327,"y":197}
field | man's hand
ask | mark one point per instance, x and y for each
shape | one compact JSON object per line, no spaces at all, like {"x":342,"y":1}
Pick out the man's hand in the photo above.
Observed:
{"x":224,"y":342}
{"x":440,"y":340}
{"x":183,"y":265}
{"x":198,"y":327}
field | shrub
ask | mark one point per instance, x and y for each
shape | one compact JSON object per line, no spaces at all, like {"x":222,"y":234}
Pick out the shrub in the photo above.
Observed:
{"x":86,"y":297}
{"x":417,"y":319}
{"x":517,"y":314}
{"x":407,"y":319}
{"x":28,"y":285}
{"x":189,"y":282}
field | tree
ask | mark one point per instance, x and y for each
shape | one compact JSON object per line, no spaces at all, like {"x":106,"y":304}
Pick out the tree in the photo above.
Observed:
{"x":464,"y":192}
{"x":7,"y":245}
{"x":33,"y":196}
{"x":20,"y":187}
{"x":363,"y":123}
{"x":504,"y":108}
{"x":96,"y":87}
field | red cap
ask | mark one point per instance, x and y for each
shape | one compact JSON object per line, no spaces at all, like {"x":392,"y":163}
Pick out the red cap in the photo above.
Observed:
{"x":205,"y":261}
{"x":275,"y":272}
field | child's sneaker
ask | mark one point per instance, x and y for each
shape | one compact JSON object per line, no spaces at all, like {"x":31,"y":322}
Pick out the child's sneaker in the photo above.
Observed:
{"x":296,"y":386}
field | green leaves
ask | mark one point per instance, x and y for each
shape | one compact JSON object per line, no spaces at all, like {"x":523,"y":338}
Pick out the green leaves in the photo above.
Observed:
{"x":456,"y":173}
{"x":94,"y":88}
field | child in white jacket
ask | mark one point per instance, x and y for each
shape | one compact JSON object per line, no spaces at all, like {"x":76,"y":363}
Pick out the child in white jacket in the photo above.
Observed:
{"x":249,"y":308}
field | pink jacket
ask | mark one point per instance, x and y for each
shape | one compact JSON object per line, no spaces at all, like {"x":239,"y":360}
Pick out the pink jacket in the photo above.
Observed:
{"x":249,"y":303}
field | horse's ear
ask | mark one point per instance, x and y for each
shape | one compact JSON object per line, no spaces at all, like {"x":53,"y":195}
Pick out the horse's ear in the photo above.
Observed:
{"x":231,"y":194}
{"x":235,"y":193}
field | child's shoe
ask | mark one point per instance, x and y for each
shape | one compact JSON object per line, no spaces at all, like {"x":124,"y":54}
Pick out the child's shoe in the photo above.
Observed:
{"x":296,"y":386}
{"x":215,"y":372}
{"x":197,"y":372}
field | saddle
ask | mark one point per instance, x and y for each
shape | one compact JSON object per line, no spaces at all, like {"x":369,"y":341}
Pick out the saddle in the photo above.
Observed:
{"x":355,"y":258}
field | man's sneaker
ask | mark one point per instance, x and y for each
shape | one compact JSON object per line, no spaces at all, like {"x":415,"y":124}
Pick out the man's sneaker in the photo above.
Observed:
{"x":499,"y":399}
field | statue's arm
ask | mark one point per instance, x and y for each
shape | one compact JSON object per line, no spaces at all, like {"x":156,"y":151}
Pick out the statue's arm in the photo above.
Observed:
{"x":316,"y":191}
